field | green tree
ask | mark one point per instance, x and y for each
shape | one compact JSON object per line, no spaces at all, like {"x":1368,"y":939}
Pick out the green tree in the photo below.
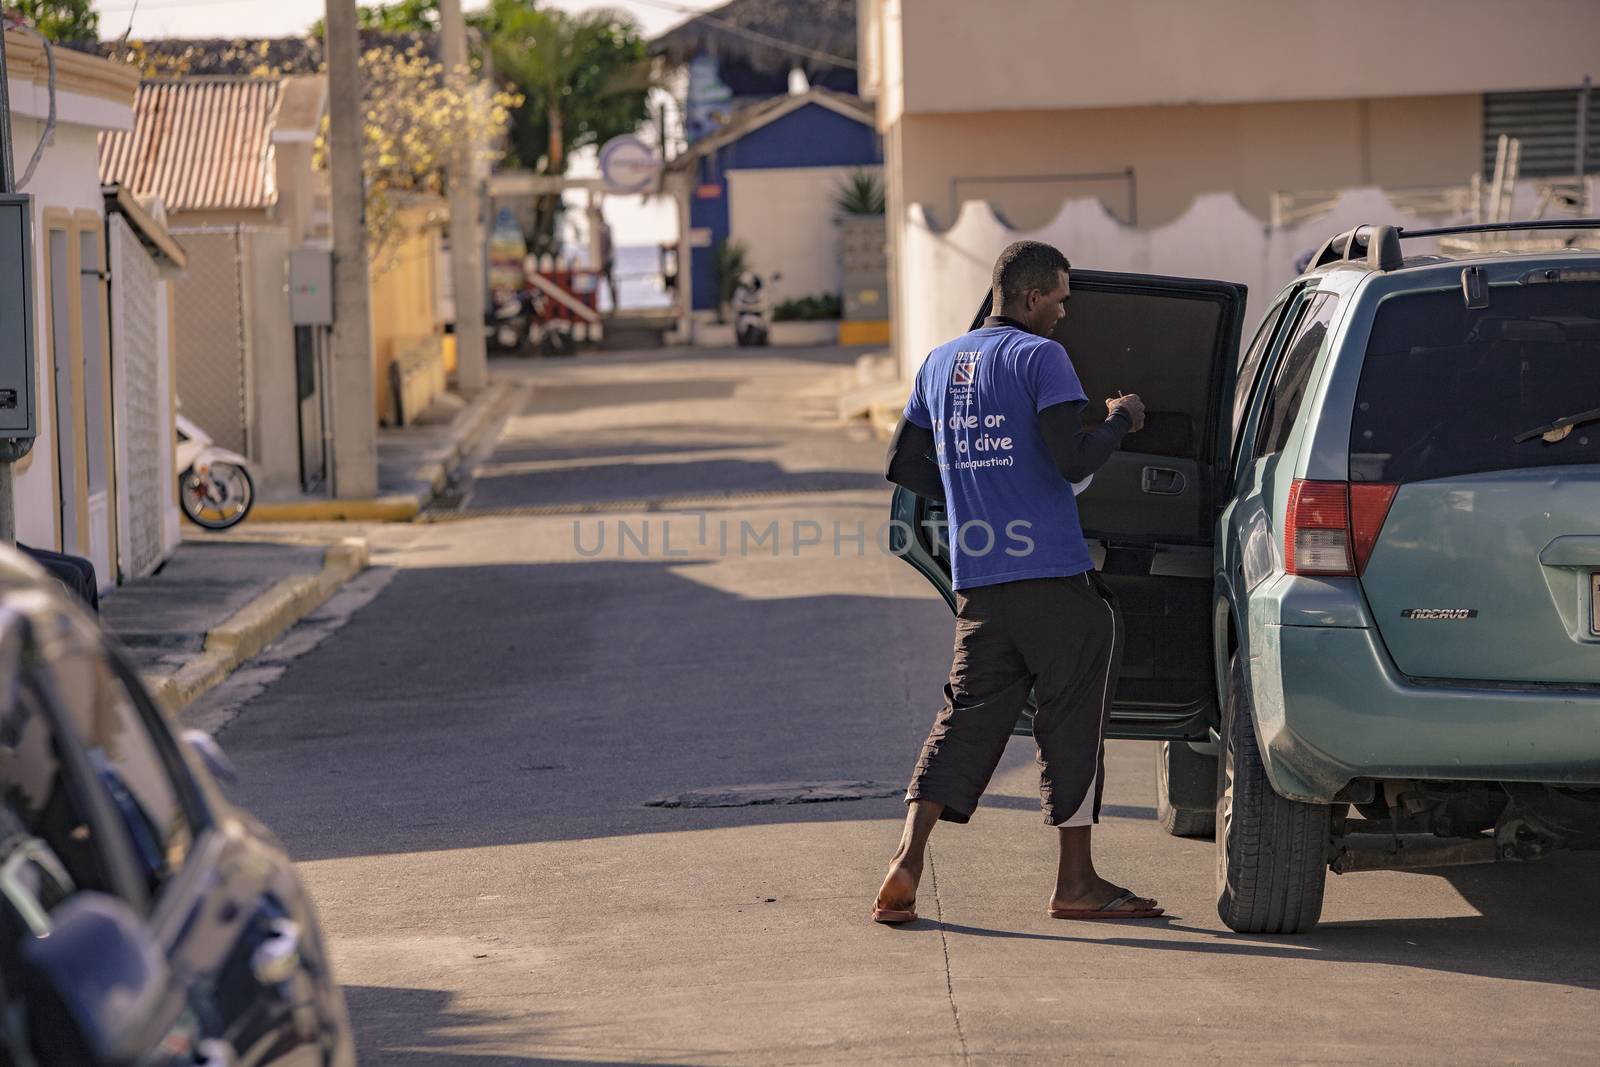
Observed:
{"x":584,"y":77}
{"x":393,"y":16}
{"x":66,"y":21}
{"x":401,"y":16}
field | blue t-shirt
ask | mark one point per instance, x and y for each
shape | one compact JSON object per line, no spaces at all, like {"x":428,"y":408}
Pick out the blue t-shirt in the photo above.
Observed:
{"x":1012,"y":515}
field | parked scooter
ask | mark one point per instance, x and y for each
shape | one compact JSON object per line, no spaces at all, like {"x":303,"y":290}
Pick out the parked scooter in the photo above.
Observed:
{"x":214,"y":485}
{"x":521,"y":324}
{"x":750,"y":326}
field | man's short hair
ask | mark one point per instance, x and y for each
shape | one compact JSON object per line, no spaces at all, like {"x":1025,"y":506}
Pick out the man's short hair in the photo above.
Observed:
{"x":1026,"y":265}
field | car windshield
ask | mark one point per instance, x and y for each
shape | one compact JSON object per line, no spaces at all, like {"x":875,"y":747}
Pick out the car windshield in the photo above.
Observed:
{"x":1448,"y":390}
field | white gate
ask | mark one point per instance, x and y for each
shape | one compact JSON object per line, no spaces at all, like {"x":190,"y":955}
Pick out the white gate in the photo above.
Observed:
{"x":143,"y":416}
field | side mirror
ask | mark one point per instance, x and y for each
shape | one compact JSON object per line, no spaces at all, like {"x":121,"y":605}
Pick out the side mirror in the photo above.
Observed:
{"x":97,"y":988}
{"x":211,"y":754}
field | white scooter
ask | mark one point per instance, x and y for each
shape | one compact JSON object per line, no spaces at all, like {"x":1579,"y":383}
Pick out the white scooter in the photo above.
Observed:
{"x":750,"y":310}
{"x":214,"y":485}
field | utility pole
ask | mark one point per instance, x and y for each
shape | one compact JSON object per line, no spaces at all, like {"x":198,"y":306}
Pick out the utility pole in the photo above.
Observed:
{"x":11,"y":448}
{"x":354,"y":467}
{"x":466,"y":249}
{"x":1583,"y":146}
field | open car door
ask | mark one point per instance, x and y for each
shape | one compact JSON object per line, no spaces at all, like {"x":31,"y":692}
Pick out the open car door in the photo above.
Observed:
{"x":1150,"y":515}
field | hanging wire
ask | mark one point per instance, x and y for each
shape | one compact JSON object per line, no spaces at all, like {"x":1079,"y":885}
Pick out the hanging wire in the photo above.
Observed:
{"x":48,"y":137}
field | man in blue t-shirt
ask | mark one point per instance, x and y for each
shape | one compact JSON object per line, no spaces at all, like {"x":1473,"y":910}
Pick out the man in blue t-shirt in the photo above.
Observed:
{"x":994,"y":428}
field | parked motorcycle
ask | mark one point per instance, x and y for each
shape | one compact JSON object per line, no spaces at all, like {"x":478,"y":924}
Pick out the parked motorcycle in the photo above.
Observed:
{"x":520,"y":323}
{"x":214,"y":485}
{"x":750,"y":325}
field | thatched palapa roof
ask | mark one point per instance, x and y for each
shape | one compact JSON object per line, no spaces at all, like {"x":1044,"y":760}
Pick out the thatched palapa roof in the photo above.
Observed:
{"x":768,"y":35}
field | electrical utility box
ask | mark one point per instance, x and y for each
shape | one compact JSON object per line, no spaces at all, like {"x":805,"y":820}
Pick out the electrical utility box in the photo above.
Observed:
{"x":18,"y":410}
{"x":311,"y":287}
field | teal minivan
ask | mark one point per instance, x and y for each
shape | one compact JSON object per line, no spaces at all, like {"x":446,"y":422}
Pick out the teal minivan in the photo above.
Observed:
{"x":1359,"y":561}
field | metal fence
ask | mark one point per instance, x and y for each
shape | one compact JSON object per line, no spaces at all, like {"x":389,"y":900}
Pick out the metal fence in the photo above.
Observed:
{"x":211,"y":331}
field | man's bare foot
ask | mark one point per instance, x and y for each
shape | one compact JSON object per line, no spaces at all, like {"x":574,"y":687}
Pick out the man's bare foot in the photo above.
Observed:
{"x":899,"y":889}
{"x":1096,"y":895}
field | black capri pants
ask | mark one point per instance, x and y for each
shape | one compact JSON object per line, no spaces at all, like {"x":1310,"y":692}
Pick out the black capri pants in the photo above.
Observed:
{"x":1061,"y":639}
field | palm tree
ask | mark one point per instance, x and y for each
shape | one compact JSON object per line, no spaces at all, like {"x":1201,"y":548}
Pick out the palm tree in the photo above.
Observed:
{"x":586,"y":73}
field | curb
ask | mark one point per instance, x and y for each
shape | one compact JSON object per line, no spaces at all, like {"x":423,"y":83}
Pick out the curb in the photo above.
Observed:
{"x":256,"y":625}
{"x":398,"y":507}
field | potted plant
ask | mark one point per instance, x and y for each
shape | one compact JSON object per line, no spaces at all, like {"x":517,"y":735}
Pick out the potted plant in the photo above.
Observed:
{"x":807,"y":320}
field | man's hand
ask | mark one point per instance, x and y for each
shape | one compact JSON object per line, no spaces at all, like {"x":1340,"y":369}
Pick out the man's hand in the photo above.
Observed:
{"x":1130,"y":403}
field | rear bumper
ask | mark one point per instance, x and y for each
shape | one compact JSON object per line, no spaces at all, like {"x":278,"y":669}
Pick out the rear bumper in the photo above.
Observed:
{"x":1330,"y":707}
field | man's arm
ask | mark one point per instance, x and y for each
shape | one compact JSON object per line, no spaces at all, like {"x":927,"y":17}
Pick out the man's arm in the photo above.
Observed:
{"x":1077,"y":452}
{"x":911,"y":462}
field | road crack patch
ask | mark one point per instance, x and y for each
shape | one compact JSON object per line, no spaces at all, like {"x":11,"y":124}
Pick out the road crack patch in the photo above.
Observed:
{"x":944,"y":943}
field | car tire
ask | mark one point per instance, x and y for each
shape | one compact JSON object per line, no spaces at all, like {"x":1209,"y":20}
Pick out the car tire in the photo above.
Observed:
{"x":1271,"y":851}
{"x":1175,"y":820}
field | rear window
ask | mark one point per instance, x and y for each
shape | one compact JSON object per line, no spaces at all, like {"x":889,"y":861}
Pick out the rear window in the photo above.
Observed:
{"x":1446,"y":390}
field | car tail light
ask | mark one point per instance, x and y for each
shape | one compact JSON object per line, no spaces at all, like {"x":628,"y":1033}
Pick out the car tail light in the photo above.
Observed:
{"x":1369,"y":506}
{"x":1316,"y":538}
{"x":1332,"y":527}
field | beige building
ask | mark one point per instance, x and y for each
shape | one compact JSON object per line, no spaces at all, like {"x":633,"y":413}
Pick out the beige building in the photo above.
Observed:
{"x":1148,"y":104}
{"x":233,"y":158}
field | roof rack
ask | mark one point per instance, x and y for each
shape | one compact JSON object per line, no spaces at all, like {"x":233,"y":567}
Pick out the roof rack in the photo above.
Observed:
{"x":1379,"y":246}
{"x":1494,"y":227}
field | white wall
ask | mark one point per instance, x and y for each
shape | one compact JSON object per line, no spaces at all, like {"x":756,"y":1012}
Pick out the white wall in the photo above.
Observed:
{"x":787,"y":217}
{"x":68,"y":178}
{"x":943,"y":274}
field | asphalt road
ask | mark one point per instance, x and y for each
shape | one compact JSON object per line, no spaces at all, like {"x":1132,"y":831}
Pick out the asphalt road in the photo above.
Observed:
{"x":462,"y":752}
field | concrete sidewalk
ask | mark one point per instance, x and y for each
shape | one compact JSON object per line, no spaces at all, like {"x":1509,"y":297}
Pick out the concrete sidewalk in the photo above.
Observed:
{"x":414,"y":463}
{"x":218,"y":602}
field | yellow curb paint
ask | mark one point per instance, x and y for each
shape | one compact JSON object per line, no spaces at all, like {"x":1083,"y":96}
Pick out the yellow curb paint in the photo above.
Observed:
{"x":867,"y":332}
{"x":256,"y":625}
{"x":383,"y":509}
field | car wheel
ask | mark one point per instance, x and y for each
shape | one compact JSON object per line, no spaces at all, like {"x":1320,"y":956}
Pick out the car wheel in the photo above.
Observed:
{"x":1271,"y":852}
{"x":1175,"y":820}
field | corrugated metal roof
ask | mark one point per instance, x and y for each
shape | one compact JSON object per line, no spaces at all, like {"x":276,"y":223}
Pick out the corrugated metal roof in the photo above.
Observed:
{"x":198,"y":144}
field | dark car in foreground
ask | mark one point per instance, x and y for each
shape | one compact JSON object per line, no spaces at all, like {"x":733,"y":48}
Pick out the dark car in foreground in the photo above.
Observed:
{"x":144,"y":920}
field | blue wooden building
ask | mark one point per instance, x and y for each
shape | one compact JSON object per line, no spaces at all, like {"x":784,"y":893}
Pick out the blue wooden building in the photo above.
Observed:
{"x":802,"y":133}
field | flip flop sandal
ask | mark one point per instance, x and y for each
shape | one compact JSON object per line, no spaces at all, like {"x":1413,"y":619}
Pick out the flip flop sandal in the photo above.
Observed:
{"x":894,"y":916}
{"x":1111,"y":909}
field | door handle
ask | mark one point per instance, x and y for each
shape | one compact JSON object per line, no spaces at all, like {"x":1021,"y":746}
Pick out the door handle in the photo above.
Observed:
{"x":1162,"y":481}
{"x":214,"y":1054}
{"x":277,"y":957}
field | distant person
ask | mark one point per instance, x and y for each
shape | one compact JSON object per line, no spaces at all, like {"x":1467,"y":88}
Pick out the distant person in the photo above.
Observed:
{"x":994,"y":428}
{"x":608,"y":259}
{"x":667,"y":263}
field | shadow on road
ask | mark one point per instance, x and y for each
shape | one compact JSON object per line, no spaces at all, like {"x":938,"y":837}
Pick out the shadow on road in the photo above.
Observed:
{"x":1107,"y":811}
{"x":641,"y":481}
{"x":560,"y":397}
{"x":834,"y":355}
{"x":513,"y":452}
{"x":508,"y":704}
{"x":406,"y":1027}
{"x":1525,"y":930}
